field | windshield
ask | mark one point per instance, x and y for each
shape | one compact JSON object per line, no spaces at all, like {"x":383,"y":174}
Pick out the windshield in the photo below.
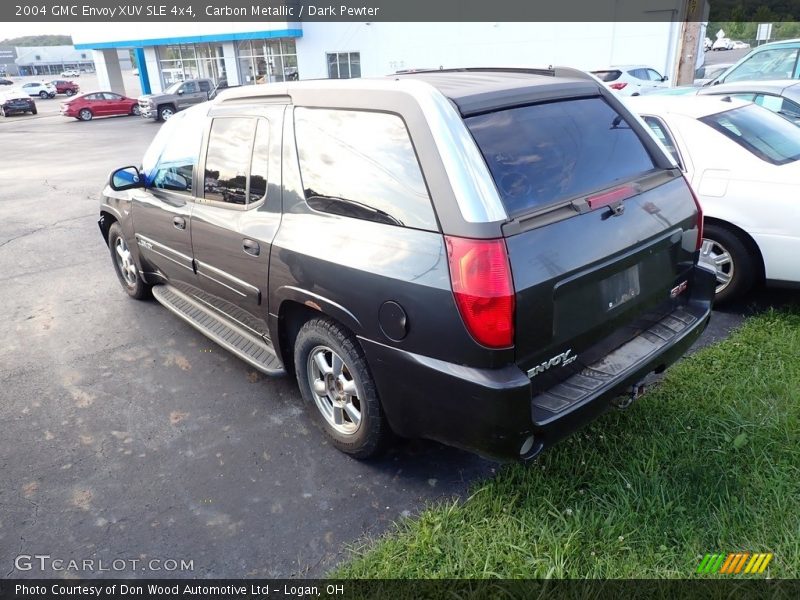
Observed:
{"x":543,"y":153}
{"x":761,"y":132}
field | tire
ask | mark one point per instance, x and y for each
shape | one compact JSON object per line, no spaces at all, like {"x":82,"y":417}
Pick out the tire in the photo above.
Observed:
{"x":70,"y":92}
{"x":165,"y":112}
{"x":736,"y":266}
{"x":43,"y":95}
{"x":363,"y":431}
{"x":136,"y":111}
{"x":125,"y":265}
{"x":34,"y":111}
{"x":2,"y":112}
{"x":85,"y":114}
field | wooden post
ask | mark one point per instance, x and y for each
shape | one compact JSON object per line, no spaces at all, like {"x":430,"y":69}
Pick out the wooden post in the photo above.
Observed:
{"x":690,"y":42}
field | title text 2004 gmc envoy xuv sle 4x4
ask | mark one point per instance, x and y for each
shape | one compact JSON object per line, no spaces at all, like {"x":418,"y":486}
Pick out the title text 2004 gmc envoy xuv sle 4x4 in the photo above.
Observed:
{"x":483,"y":257}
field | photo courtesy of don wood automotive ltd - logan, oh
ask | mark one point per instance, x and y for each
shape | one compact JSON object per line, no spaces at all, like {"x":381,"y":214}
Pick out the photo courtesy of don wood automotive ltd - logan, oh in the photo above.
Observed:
{"x":374,"y":299}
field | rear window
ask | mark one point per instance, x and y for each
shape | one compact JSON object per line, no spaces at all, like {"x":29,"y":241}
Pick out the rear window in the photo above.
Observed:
{"x":763,"y":133}
{"x":543,"y":153}
{"x":607,"y":75}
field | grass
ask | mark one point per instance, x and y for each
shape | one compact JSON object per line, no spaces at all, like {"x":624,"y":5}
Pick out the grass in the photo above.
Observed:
{"x":707,"y":462}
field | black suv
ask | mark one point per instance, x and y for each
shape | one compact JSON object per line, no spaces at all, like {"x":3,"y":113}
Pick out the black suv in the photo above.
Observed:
{"x":482,"y":257}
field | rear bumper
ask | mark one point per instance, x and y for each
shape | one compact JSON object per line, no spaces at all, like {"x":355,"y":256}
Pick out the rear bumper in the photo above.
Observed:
{"x":492,"y":412}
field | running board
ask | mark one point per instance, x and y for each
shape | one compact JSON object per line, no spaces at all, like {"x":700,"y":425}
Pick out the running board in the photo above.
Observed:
{"x":255,"y":351}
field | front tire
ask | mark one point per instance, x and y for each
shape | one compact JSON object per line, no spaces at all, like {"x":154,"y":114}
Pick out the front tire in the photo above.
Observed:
{"x":732,"y":259}
{"x":165,"y":112}
{"x":335,"y":381}
{"x":70,"y":92}
{"x":136,"y":111}
{"x":85,"y":114}
{"x":125,"y":265}
{"x":43,"y":95}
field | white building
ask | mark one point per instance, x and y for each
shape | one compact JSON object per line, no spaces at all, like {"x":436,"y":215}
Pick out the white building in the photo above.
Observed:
{"x":251,"y":53}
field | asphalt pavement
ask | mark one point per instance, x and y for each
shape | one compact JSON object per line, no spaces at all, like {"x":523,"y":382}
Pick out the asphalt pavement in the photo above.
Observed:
{"x":128,"y":436}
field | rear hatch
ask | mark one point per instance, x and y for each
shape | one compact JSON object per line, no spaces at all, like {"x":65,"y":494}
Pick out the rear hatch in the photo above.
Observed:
{"x":602,"y":229}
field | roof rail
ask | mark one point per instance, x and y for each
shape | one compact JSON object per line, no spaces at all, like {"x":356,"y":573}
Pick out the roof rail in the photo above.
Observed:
{"x":549,"y":71}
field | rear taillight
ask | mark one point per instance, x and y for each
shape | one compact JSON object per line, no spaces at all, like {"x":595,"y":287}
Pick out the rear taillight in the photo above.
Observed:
{"x":618,"y":86}
{"x":699,"y":215}
{"x":483,"y":289}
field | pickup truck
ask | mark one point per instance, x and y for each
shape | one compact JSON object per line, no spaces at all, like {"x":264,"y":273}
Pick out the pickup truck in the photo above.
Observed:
{"x":178,"y":96}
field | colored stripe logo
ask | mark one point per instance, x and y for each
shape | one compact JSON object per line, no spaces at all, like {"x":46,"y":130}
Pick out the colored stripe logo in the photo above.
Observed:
{"x":734,"y":563}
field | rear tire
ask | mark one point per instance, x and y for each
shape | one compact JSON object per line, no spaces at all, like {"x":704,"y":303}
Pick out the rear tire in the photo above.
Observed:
{"x":336,"y":383}
{"x":70,"y":92}
{"x":85,"y":114}
{"x":43,"y":95}
{"x":125,"y":265}
{"x":732,"y":258}
{"x":34,"y":111}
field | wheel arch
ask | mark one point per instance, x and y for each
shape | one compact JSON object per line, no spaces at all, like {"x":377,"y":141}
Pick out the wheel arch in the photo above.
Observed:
{"x":107,"y":219}
{"x":300,"y":306}
{"x":745,"y":237}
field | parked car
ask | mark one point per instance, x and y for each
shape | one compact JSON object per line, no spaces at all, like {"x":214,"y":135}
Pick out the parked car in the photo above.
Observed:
{"x":739,"y":45}
{"x":631,"y":80}
{"x":776,"y":60}
{"x":178,"y":96}
{"x":707,"y":73}
{"x":743,"y":161}
{"x":99,"y":104}
{"x":707,"y":43}
{"x":63,"y":86}
{"x":405,"y":246}
{"x":16,"y":101}
{"x":39,"y":88}
{"x":70,"y":73}
{"x":4,"y":81}
{"x":782,"y":96}
{"x":722,"y":43}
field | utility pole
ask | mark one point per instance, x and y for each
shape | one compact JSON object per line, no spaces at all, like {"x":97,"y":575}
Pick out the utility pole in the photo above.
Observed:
{"x":690,"y":41}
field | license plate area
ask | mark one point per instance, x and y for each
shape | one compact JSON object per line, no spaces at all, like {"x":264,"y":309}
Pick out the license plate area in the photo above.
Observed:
{"x":620,"y":288}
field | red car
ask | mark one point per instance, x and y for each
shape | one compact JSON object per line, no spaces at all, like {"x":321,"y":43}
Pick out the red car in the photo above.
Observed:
{"x":65,"y":87}
{"x":99,"y":104}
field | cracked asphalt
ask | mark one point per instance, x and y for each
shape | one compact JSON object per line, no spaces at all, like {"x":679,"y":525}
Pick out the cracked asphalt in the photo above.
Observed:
{"x":129,"y":436}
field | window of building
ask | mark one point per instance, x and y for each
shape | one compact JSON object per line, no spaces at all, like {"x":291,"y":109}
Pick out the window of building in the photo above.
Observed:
{"x":179,"y":62}
{"x":267,"y":61}
{"x":344,"y":65}
{"x":362,"y":164}
{"x":236,"y":161}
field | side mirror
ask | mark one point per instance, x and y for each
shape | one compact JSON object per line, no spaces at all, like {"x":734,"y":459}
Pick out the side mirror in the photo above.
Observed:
{"x":125,"y":178}
{"x":665,"y":78}
{"x":180,"y":92}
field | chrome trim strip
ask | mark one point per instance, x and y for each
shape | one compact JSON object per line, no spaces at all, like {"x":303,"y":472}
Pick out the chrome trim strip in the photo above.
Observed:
{"x":251,"y":289}
{"x":149,"y":244}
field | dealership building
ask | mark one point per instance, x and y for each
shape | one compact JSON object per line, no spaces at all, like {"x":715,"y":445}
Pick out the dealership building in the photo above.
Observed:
{"x":254,"y":53}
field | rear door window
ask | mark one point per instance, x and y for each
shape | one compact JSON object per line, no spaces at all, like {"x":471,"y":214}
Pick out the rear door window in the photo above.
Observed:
{"x":546,"y":153}
{"x":768,"y":136}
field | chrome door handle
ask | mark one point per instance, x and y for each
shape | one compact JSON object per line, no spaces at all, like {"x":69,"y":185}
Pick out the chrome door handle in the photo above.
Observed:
{"x":179,"y":222}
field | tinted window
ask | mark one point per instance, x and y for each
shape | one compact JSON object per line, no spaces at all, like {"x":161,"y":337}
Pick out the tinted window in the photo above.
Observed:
{"x":768,"y":64}
{"x":663,"y":135}
{"x":607,"y":75}
{"x":230,"y":149}
{"x":763,"y":133}
{"x":190,"y":87}
{"x":778,"y":104}
{"x":363,"y":165}
{"x":548,"y":152}
{"x":204,"y":86}
{"x":110,"y":96}
{"x":654,"y":75}
{"x":93,"y":96}
{"x":170,"y":160}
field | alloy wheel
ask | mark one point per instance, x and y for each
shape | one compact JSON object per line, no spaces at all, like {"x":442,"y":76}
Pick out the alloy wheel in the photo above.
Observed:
{"x":714,"y":253}
{"x":335,"y":392}
{"x":125,"y":261}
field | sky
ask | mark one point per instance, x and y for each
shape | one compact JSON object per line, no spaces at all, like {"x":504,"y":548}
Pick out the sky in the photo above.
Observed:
{"x":12,"y":30}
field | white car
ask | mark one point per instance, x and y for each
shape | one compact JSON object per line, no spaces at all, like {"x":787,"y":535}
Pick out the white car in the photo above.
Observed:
{"x":70,"y":73}
{"x":738,"y":45}
{"x":743,"y":162}
{"x":631,"y":80}
{"x":722,"y":43}
{"x":41,"y":89}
